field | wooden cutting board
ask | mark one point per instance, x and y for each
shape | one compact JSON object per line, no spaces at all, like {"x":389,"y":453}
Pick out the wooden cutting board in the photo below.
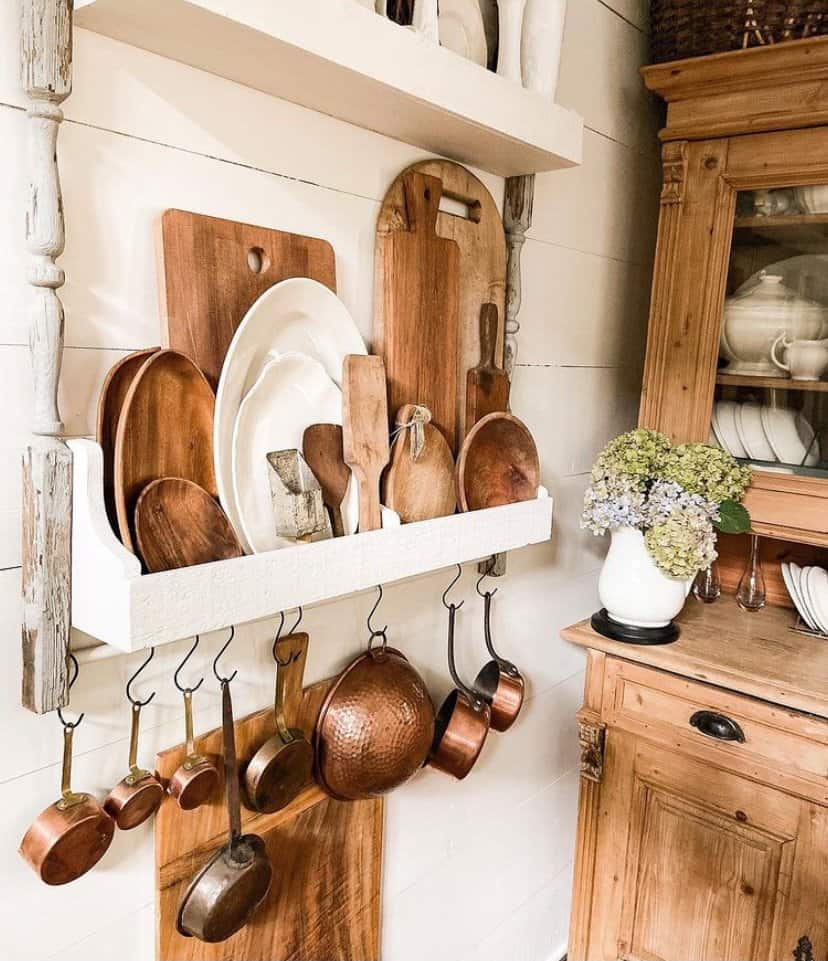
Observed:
{"x":327,"y":857}
{"x":417,"y":289}
{"x":165,"y":430}
{"x":482,"y":266}
{"x":211,"y":271}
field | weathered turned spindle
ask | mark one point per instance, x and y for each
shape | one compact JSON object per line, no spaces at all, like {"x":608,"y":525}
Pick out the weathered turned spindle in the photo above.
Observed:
{"x":517,"y":219}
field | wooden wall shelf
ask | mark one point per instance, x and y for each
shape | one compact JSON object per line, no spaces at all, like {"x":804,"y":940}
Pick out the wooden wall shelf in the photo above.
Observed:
{"x":777,"y":383}
{"x":115,"y":603}
{"x":337,"y":58}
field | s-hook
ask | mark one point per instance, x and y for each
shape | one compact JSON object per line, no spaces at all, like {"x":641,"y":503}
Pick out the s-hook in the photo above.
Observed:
{"x":487,"y":567}
{"x":377,"y":631}
{"x":133,"y":700}
{"x":71,"y":725}
{"x":189,"y":654}
{"x":227,"y":643}
{"x":453,"y":607}
{"x":278,"y":637}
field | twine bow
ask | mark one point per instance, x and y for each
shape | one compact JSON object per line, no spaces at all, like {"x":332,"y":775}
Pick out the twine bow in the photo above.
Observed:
{"x":418,"y":418}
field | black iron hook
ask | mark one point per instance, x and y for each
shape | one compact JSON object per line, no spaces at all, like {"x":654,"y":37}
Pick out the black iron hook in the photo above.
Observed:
{"x":219,"y":678}
{"x":278,"y":637}
{"x":71,"y":725}
{"x":375,"y":631}
{"x":187,"y":690}
{"x":486,"y":573}
{"x":132,"y":700}
{"x":446,"y":604}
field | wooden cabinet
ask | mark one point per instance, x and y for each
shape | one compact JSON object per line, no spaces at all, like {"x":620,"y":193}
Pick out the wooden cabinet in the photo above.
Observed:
{"x":746,"y":132}
{"x":703,"y":817}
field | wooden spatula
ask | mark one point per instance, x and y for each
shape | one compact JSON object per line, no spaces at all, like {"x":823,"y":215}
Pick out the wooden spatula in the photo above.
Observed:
{"x":322,"y":447}
{"x":487,"y":386}
{"x":365,"y":431}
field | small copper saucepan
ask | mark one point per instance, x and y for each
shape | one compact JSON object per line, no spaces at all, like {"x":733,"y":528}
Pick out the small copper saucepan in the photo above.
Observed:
{"x":137,"y":796}
{"x":463,"y":720}
{"x":499,"y":682}
{"x":70,"y":836}
{"x":283,"y":766}
{"x":196,"y":778}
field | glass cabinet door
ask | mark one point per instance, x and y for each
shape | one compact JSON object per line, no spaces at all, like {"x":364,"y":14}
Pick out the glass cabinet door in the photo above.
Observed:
{"x":771,"y":401}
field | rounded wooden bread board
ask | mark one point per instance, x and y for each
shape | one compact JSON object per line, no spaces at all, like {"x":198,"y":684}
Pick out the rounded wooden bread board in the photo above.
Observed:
{"x":165,"y":430}
{"x":178,"y":524}
{"x":422,"y":489}
{"x":498,"y":464}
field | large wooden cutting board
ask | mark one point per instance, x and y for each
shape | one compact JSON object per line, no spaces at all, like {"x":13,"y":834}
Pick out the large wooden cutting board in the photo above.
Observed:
{"x":482,"y":264}
{"x":327,"y":858}
{"x":211,"y":271}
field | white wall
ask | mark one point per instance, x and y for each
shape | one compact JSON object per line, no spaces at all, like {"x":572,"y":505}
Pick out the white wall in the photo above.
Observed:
{"x":143,"y":134}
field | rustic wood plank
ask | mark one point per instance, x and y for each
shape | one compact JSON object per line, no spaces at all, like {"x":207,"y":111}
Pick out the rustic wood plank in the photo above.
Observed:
{"x":46,"y":76}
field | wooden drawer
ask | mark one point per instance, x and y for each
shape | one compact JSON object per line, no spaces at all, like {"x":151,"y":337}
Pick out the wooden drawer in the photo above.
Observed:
{"x":781,"y":747}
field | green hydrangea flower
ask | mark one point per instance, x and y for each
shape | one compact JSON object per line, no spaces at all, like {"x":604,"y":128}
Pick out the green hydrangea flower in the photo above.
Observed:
{"x":638,"y":454}
{"x":708,"y":471}
{"x":680,"y":547}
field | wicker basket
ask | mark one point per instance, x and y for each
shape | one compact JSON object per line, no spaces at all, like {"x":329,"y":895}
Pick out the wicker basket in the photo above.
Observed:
{"x":695,"y":28}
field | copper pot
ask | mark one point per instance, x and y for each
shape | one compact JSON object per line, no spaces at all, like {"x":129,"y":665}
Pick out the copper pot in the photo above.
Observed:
{"x":375,"y":727}
{"x":70,"y":836}
{"x":462,"y":723}
{"x":195,"y":779}
{"x":137,"y":796}
{"x":499,"y":682}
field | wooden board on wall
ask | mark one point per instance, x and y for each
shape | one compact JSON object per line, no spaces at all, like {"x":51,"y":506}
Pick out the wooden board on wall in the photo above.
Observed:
{"x":324,"y":901}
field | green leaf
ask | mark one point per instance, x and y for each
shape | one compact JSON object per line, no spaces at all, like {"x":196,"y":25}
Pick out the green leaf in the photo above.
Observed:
{"x":733,"y":518}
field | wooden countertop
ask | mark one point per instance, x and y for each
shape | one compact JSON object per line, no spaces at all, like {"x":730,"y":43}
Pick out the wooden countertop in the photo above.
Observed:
{"x":720,"y":644}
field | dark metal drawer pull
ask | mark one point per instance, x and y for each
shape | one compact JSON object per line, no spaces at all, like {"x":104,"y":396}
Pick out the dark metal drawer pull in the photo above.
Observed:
{"x":718,"y":726}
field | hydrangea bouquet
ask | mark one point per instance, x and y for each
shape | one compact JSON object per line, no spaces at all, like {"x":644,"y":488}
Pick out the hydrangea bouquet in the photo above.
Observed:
{"x":677,"y":496}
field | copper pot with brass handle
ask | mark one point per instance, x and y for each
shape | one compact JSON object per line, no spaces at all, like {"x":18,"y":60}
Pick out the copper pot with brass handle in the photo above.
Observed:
{"x":498,"y":682}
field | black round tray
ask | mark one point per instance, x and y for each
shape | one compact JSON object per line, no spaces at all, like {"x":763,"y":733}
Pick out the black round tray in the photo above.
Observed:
{"x":628,"y":634}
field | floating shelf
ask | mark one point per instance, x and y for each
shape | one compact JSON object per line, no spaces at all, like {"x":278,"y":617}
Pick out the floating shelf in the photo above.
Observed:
{"x":338,"y":58}
{"x":775,"y":383}
{"x":115,"y":603}
{"x":789,"y":229}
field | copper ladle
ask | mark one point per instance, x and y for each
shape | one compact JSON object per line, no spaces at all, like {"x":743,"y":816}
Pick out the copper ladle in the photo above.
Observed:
{"x":136,"y":797}
{"x":196,"y":778}
{"x":463,"y":720}
{"x":283,"y":765}
{"x":70,"y":836}
{"x":499,"y":682}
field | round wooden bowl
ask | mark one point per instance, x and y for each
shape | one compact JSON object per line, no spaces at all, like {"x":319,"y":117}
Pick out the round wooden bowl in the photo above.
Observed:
{"x":498,"y":464}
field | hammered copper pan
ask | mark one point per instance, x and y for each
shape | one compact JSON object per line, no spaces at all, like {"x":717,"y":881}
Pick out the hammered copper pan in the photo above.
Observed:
{"x":375,"y":728}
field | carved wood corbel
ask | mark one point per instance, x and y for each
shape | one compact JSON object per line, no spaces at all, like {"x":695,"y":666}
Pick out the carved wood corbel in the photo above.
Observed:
{"x":46,"y":76}
{"x":591,"y":737}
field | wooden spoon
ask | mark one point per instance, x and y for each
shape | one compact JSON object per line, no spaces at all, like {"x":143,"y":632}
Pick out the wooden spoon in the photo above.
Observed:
{"x":322,"y":449}
{"x":423,"y":488}
{"x":365,"y":431}
{"x":178,"y":524}
{"x":498,"y":464}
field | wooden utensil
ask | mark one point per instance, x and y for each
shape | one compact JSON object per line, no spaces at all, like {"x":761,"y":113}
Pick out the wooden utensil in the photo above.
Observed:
{"x":110,"y":403}
{"x":419,"y":483}
{"x":322,"y":447}
{"x":487,"y":386}
{"x":365,"y":431}
{"x":283,"y":765}
{"x":498,"y":464}
{"x":417,"y":296}
{"x":213,"y":270}
{"x":178,"y":524}
{"x":165,"y":430}
{"x":474,"y":223}
{"x":329,"y":855}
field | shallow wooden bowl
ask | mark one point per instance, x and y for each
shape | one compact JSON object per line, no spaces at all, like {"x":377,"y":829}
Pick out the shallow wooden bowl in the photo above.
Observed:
{"x":498,"y":464}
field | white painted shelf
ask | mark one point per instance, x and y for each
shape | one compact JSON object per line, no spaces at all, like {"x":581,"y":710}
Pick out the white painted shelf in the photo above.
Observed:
{"x":338,"y":58}
{"x":115,"y":603}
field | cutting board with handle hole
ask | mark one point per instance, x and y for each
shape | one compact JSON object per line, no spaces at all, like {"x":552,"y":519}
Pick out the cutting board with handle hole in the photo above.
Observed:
{"x":417,"y":293}
{"x":470,"y":217}
{"x":211,"y":271}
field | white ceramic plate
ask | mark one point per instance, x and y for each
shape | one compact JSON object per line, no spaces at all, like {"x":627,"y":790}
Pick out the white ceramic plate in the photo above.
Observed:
{"x":799,"y":577}
{"x":299,"y":316}
{"x":461,"y":30}
{"x":752,"y":434}
{"x":725,"y":419}
{"x":715,"y":432}
{"x":791,"y":436}
{"x":815,"y":580}
{"x":796,"y":596}
{"x":292,"y":392}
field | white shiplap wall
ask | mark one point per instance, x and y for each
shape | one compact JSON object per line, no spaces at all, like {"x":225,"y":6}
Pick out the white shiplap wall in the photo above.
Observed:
{"x":143,"y":134}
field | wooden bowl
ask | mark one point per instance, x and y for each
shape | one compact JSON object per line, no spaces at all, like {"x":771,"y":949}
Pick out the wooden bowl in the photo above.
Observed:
{"x":498,"y":464}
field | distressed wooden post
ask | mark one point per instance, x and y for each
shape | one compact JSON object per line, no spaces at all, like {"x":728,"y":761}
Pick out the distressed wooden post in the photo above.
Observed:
{"x":46,"y":73}
{"x":517,"y":219}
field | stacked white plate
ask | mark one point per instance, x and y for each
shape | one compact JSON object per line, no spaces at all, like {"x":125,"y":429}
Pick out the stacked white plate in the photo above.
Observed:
{"x":282,"y":373}
{"x":763,"y":433}
{"x":808,"y":588}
